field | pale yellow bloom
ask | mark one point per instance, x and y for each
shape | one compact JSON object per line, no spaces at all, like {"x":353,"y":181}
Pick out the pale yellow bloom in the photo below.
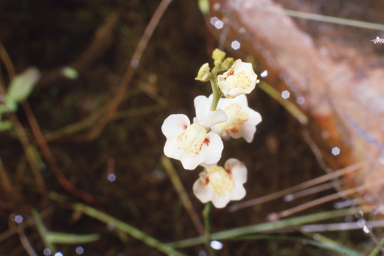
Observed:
{"x":221,"y":185}
{"x":239,"y":79}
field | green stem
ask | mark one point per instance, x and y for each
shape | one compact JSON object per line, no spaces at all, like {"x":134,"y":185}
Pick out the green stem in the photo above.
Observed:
{"x":268,"y":226}
{"x":325,"y":245}
{"x":64,"y":238}
{"x":207,"y":225}
{"x":136,"y":233}
{"x":215,"y":88}
{"x":377,"y":248}
{"x":44,"y":233}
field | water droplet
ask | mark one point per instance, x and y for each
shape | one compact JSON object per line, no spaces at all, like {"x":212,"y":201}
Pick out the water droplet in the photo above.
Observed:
{"x":271,"y":62}
{"x":335,"y":151}
{"x":12,"y":217}
{"x":58,"y":254}
{"x":317,"y":237}
{"x":265,"y":54}
{"x":111,"y":226}
{"x":361,"y":223}
{"x":158,"y":174}
{"x":366,"y":229}
{"x":47,"y":251}
{"x":216,"y":6}
{"x":289,"y":197}
{"x":242,"y":30}
{"x":135,"y":63}
{"x":325,"y":134}
{"x":111,"y":177}
{"x":235,"y":45}
{"x":285,"y":94}
{"x":213,"y":20}
{"x":79,"y":250}
{"x":264,"y":73}
{"x":19,"y":219}
{"x":300,"y":100}
{"x":219,"y":24}
{"x":381,"y":160}
{"x":216,"y":245}
{"x":203,"y":253}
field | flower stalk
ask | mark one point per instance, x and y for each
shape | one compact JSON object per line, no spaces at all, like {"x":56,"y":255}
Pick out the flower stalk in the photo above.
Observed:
{"x":207,"y":225}
{"x":215,"y":88}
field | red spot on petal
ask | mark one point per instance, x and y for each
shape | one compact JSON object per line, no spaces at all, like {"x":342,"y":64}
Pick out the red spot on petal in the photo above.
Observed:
{"x":229,"y":171}
{"x":185,"y":127}
{"x":206,"y":142}
{"x":206,"y":181}
{"x":232,"y":73}
{"x":234,"y":130}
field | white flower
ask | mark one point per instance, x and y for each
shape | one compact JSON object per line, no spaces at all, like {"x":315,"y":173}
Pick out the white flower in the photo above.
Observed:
{"x":239,"y":79}
{"x":221,"y":185}
{"x":242,"y":120}
{"x":192,"y":144}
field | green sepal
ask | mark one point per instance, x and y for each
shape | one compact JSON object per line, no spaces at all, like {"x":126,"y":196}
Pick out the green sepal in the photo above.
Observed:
{"x":203,"y":74}
{"x":65,"y":238}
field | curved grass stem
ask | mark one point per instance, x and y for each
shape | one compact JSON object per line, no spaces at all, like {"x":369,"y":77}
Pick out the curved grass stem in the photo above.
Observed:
{"x":270,"y":226}
{"x":124,"y":227}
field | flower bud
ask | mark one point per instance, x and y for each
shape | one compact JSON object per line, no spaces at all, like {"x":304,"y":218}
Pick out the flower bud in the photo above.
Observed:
{"x":218,"y":55}
{"x":227,"y":63}
{"x":203,"y":74}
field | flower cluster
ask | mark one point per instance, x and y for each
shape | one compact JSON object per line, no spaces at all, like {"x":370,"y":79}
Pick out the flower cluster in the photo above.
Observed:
{"x":200,"y":143}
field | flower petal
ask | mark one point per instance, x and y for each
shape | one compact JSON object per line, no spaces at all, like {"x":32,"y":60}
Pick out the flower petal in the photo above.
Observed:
{"x":173,"y":125}
{"x":248,"y":130}
{"x":208,"y":186}
{"x":242,"y":120}
{"x":211,"y":152}
{"x":239,"y":79}
{"x":204,"y":116}
{"x":202,"y":191}
{"x":238,"y":170}
{"x":220,"y":201}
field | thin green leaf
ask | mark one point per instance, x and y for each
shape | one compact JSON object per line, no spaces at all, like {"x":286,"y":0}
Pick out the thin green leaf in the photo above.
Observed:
{"x":21,"y":86}
{"x":377,"y":248}
{"x":65,"y":238}
{"x":70,"y":73}
{"x":138,"y":234}
{"x":268,"y":226}
{"x":6,"y":125}
{"x":8,"y":105}
{"x":328,"y":246}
